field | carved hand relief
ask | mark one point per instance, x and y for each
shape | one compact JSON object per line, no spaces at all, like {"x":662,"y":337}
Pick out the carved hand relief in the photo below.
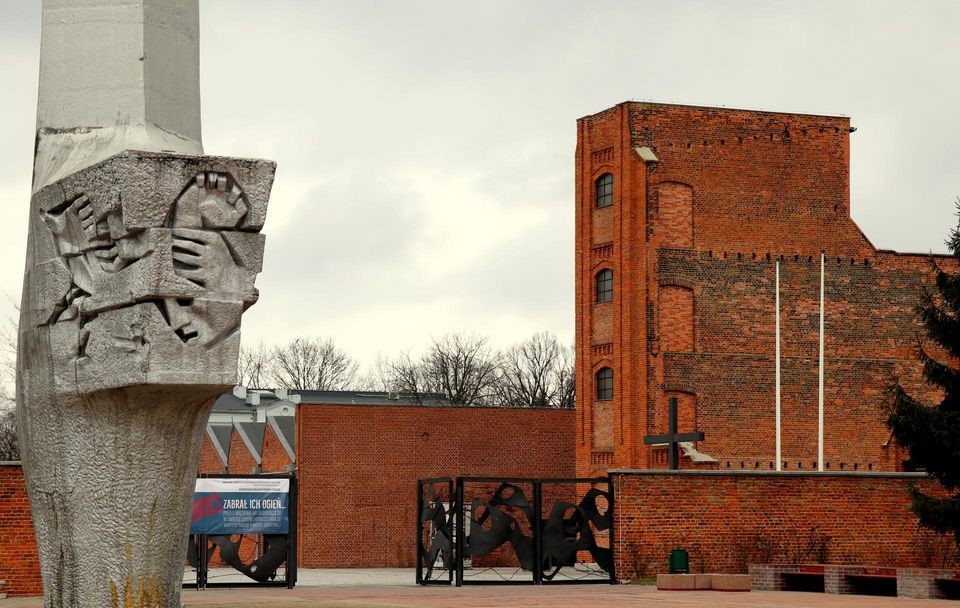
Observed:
{"x":132,"y":294}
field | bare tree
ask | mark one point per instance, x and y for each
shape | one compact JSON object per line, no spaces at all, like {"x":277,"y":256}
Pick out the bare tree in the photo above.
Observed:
{"x":405,"y":375}
{"x":457,"y":369}
{"x":254,"y":366}
{"x":376,"y":378}
{"x":9,"y":440}
{"x":537,"y":372}
{"x":312,"y":364}
{"x":8,"y":359}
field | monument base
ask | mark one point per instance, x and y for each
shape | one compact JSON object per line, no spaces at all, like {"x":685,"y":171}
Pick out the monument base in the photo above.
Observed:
{"x":111,"y":492}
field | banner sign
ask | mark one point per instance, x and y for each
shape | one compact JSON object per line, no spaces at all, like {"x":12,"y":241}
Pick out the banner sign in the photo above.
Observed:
{"x":250,"y":505}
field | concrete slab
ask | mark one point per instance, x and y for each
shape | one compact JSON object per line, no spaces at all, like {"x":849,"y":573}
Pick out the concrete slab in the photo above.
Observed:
{"x":677,"y":582}
{"x":730,"y":582}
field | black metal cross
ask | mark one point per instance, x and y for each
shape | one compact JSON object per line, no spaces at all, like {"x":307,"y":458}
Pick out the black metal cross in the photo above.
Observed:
{"x":673,"y":438}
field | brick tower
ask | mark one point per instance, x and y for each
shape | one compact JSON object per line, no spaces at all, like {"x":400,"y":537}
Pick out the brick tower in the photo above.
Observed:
{"x":682,"y":215}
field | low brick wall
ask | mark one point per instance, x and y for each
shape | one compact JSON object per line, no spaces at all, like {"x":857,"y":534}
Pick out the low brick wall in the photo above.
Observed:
{"x":917,"y":583}
{"x":729,"y":519}
{"x":19,"y":563}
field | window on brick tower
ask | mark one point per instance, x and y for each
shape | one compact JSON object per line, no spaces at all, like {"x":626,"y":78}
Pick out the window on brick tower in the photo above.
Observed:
{"x":604,"y":190}
{"x":605,"y":384}
{"x":605,"y":285}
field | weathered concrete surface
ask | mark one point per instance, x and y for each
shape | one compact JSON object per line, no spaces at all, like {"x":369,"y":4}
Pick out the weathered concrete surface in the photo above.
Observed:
{"x":678,"y":582}
{"x":730,"y":582}
{"x":116,"y":75}
{"x":141,"y":258}
{"x":703,"y":582}
{"x":138,"y":270}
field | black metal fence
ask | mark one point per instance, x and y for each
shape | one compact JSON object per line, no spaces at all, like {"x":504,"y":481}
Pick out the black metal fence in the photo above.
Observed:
{"x":496,"y":530}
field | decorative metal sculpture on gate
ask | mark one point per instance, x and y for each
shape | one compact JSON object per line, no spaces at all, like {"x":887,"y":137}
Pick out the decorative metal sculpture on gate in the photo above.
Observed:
{"x":510,"y":517}
{"x":262,"y":569}
{"x":435,"y":527}
{"x":567,"y":530}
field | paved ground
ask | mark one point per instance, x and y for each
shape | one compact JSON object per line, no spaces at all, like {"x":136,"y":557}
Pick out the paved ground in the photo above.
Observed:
{"x":394,"y":588}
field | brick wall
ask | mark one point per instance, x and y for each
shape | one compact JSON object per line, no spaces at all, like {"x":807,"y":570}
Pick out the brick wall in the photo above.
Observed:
{"x":274,"y":458}
{"x":19,"y":562}
{"x":727,"y":519}
{"x":241,"y":460}
{"x":358,"y":467}
{"x":693,"y":241}
{"x":209,"y":459}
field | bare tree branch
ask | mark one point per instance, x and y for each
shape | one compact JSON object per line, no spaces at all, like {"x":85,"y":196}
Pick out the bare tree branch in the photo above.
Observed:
{"x":254,"y":366}
{"x":457,"y":369}
{"x":312,"y":364}
{"x":376,"y":378}
{"x":537,"y":372}
{"x":9,"y":440}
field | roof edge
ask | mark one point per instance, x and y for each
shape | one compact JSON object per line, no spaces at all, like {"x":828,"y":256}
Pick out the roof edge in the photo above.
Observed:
{"x":647,"y":102}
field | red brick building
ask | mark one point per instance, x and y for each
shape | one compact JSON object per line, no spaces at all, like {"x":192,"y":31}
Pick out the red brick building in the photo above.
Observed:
{"x":682,"y":214}
{"x":358,"y":456}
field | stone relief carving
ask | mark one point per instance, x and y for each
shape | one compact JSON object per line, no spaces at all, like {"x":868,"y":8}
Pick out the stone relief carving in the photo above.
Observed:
{"x":142,"y":298}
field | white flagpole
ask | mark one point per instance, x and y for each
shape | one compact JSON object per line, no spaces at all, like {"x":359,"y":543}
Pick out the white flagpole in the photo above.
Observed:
{"x":820,"y":409}
{"x":779,"y":459}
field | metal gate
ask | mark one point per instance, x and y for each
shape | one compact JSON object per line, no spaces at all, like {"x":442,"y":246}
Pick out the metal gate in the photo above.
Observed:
{"x":273,"y":558}
{"x":498,"y":530}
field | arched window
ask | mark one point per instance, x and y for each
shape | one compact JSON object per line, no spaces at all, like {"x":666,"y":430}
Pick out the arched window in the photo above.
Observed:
{"x":604,"y":190}
{"x":605,"y":384}
{"x":605,"y":285}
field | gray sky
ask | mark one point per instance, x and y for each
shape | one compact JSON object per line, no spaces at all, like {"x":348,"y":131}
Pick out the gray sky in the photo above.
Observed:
{"x":425,"y":148}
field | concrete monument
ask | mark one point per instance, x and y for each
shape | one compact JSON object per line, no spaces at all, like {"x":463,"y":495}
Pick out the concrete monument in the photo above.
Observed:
{"x":141,"y":258}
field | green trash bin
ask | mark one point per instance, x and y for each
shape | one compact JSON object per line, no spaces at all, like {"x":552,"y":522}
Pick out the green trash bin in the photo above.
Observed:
{"x":679,"y":561}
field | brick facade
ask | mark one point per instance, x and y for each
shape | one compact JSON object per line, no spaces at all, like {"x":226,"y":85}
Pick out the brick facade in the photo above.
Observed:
{"x":726,"y":520}
{"x":209,"y":459}
{"x":693,"y":240}
{"x":358,"y":468}
{"x":19,"y":560}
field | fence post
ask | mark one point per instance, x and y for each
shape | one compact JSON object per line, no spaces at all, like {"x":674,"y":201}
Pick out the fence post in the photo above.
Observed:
{"x":294,"y":532}
{"x":419,"y":526}
{"x":613,"y":530}
{"x":461,"y":530}
{"x":537,"y":525}
{"x":293,"y":537}
{"x":450,"y":526}
{"x":202,"y":563}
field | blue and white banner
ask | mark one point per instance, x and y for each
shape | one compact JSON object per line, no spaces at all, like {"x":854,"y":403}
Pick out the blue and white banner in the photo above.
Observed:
{"x":250,"y":505}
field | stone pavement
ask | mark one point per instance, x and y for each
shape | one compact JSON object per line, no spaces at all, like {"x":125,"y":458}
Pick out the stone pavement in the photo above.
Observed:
{"x":361,"y":589}
{"x":569,"y":596}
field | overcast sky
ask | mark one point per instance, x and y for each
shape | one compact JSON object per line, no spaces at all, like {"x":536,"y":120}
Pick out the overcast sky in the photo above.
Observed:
{"x":425,"y":149}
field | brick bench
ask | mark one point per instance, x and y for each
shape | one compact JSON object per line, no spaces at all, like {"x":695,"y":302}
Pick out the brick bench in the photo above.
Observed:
{"x":928,"y":583}
{"x":920,"y":583}
{"x":787,"y":577}
{"x":947,"y":588}
{"x":860,"y":580}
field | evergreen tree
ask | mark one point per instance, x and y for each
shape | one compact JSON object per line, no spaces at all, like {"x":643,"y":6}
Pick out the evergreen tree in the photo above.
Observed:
{"x":931,"y":434}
